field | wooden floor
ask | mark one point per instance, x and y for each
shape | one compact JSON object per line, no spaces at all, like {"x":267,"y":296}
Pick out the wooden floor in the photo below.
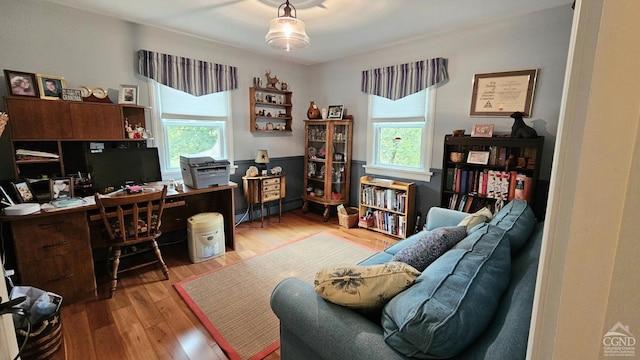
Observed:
{"x":147,"y":319}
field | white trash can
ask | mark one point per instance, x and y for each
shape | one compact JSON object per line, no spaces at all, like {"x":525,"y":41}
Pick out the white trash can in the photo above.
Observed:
{"x":206,"y":236}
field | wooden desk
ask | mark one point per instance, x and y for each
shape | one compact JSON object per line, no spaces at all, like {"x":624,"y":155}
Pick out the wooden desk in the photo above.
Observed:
{"x":54,"y":249}
{"x":262,"y":189}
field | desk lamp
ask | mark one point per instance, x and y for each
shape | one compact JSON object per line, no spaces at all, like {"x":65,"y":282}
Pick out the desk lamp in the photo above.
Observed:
{"x":262,"y":159}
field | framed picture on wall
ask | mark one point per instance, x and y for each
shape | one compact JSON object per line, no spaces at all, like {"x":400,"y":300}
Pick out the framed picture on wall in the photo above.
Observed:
{"x":51,"y":86}
{"x":503,"y":93}
{"x":21,"y":83}
{"x":128,"y":94}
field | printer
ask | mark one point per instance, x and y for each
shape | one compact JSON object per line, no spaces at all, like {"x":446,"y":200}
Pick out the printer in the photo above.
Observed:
{"x":201,"y":172}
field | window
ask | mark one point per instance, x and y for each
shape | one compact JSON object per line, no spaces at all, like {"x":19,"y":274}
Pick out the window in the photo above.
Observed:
{"x":187,"y":124}
{"x":400,"y":136}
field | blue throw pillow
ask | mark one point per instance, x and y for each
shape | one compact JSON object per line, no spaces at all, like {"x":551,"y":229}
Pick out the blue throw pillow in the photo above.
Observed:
{"x":454,"y":299}
{"x":518,"y":220}
{"x":430,"y":246}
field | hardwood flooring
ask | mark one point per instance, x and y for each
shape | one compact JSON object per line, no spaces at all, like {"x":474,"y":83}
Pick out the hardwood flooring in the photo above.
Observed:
{"x":147,"y":319}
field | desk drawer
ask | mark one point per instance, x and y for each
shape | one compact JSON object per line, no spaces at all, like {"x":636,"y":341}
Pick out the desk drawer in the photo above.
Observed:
{"x":66,"y":275}
{"x":50,"y":236}
{"x":270,"y":188}
{"x":271,"y":195}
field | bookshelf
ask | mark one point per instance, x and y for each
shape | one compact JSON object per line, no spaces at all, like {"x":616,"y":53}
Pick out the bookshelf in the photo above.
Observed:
{"x":390,"y":205}
{"x":479,"y":172}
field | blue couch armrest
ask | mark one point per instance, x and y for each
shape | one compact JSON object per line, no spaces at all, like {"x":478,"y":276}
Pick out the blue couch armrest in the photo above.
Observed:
{"x":439,"y":217}
{"x":323,"y":328}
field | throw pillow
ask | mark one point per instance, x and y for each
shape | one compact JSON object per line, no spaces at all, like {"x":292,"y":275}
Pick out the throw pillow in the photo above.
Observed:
{"x":454,"y":299}
{"x":518,"y":220}
{"x":430,"y":246}
{"x":364,"y":287}
{"x":481,"y":216}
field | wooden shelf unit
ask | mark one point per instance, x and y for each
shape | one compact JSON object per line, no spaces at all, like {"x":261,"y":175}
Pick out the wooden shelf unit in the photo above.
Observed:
{"x":47,"y":125}
{"x":270,"y":101}
{"x":497,"y":179}
{"x":391,"y":205}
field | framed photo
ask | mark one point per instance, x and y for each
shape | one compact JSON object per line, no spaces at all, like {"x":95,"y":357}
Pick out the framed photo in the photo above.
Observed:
{"x":335,"y":111}
{"x":23,"y":191}
{"x":51,"y":86}
{"x":71,"y":95}
{"x":503,"y":93}
{"x":21,"y":83}
{"x":61,"y":188}
{"x":128,"y":94}
{"x":482,"y":130}
{"x":478,"y":157}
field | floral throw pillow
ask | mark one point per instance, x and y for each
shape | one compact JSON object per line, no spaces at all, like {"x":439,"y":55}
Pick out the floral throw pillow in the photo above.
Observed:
{"x":366,"y":287}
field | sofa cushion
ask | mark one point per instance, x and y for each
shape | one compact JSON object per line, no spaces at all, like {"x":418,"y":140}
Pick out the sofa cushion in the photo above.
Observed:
{"x":364,"y":287}
{"x":479,"y":217}
{"x":454,"y":299}
{"x":430,"y":246}
{"x":518,"y":220}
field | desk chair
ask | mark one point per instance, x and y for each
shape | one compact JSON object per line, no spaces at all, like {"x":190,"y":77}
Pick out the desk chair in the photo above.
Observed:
{"x":119,"y":213}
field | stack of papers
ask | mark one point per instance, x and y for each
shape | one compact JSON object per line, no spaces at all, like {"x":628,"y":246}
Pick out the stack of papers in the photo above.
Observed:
{"x":24,"y":152}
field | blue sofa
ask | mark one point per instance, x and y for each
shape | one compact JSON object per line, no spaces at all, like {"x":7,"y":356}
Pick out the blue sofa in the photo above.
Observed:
{"x":313,"y":328}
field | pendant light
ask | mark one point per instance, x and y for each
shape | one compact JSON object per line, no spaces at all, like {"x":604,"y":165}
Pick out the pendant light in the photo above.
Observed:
{"x":286,"y":32}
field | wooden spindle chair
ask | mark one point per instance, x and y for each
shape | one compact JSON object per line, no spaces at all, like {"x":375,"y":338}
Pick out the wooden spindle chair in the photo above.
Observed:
{"x":131,"y":219}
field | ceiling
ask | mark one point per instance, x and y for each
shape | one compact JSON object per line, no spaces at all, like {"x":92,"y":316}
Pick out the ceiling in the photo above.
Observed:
{"x":337,"y":28}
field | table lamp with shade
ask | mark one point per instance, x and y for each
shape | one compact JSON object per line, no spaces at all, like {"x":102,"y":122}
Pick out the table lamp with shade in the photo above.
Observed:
{"x":262,"y":159}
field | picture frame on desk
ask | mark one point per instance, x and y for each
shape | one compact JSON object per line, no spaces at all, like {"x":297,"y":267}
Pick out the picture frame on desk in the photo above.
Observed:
{"x":51,"y":86}
{"x":23,"y":191}
{"x":128,"y":94}
{"x":61,"y":188}
{"x":21,"y":83}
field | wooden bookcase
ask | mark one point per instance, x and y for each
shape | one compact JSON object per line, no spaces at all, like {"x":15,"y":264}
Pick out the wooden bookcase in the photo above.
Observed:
{"x":485,"y":171}
{"x":270,"y":110}
{"x":390,"y":205}
{"x":327,"y":169}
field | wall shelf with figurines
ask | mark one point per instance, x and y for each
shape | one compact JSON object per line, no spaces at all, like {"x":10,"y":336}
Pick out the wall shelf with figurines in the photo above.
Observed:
{"x":270,"y":105}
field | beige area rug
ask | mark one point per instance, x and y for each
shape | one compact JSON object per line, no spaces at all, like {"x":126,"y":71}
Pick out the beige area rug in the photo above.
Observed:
{"x":233,"y":302}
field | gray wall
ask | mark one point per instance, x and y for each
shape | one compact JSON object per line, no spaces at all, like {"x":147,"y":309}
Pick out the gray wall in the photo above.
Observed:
{"x":94,"y":50}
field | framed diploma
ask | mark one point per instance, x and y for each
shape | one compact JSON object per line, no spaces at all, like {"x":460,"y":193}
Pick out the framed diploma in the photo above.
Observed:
{"x":503,"y":93}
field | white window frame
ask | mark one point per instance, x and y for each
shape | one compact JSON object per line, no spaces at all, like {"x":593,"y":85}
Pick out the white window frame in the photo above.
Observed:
{"x":160,"y":136}
{"x":424,"y":172}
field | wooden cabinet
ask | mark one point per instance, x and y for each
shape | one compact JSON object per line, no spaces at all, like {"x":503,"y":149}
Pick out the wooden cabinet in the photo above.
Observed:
{"x":270,"y":110}
{"x":327,"y":167}
{"x":54,"y":254}
{"x":45,"y":125}
{"x":479,"y":172}
{"x":262,"y":189}
{"x":387,"y":206}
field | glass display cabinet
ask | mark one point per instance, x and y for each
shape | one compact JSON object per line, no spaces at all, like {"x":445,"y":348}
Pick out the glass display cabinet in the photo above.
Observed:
{"x":328,"y":163}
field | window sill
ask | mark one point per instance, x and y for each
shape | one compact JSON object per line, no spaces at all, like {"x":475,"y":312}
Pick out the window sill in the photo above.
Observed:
{"x":398,"y":173}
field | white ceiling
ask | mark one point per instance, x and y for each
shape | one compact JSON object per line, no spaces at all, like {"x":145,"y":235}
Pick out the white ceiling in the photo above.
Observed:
{"x":337,"y":28}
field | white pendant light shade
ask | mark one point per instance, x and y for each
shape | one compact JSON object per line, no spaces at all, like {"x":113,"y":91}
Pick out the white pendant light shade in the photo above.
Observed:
{"x":287,"y":32}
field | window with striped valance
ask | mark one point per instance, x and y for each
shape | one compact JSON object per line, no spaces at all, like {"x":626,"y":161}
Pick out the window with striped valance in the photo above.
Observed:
{"x":192,"y":76}
{"x":397,"y":81}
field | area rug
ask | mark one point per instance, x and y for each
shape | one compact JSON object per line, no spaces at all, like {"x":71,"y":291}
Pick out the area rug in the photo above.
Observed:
{"x":233,"y":302}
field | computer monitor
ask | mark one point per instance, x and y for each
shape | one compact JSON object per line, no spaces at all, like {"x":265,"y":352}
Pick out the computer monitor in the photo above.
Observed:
{"x":119,"y":167}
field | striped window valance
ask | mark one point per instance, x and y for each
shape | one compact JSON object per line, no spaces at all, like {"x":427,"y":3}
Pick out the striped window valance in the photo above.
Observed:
{"x":192,"y":76}
{"x":397,"y":81}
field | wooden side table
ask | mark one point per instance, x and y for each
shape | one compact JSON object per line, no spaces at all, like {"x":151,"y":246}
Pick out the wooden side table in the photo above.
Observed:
{"x":261,"y":190}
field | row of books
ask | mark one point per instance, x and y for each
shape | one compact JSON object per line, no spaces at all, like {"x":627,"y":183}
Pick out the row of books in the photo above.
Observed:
{"x":392,"y":223}
{"x":493,"y":184}
{"x":469,"y":203}
{"x":384,"y":198}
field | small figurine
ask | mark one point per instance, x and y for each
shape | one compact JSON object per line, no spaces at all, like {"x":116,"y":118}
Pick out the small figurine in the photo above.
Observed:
{"x":520,"y":129}
{"x":271,"y":81}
